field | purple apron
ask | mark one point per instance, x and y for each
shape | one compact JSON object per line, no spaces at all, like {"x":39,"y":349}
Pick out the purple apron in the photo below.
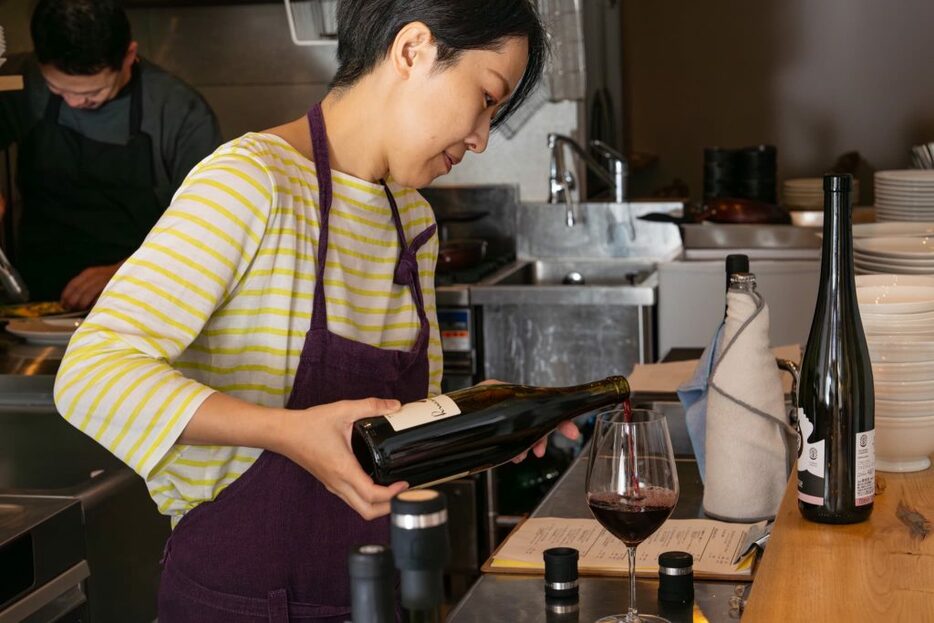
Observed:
{"x":273,"y":545}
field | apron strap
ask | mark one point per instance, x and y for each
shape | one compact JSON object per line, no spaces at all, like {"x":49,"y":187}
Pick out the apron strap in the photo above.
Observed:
{"x":136,"y":100}
{"x":52,"y":108}
{"x":319,"y":146}
{"x":406,"y":272}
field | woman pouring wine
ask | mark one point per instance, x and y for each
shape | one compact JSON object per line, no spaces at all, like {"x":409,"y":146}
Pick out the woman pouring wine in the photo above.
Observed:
{"x":287,"y":292}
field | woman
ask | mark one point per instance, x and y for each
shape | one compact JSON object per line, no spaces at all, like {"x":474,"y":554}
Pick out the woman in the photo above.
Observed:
{"x":285,"y":268}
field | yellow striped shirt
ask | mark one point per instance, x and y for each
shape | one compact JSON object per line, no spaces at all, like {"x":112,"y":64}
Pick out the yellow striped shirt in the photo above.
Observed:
{"x":219,"y":298}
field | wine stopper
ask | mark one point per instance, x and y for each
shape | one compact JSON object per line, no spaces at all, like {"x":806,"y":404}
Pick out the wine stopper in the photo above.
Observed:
{"x":676,"y":577}
{"x":419,"y":533}
{"x":561,"y":573}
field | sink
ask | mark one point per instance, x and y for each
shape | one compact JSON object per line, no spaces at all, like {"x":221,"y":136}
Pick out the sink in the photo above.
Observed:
{"x":540,"y":329}
{"x":573,"y":272}
{"x":569,"y":281}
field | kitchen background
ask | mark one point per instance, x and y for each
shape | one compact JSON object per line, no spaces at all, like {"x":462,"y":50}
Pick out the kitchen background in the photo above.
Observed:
{"x":816,"y":79}
{"x":724,"y":72}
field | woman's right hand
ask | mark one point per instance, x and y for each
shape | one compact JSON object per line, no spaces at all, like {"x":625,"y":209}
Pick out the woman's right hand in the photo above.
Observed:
{"x":318,"y":439}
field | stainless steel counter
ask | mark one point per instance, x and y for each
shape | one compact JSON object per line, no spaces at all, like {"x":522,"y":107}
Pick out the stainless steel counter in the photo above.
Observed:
{"x":27,"y":373}
{"x":43,"y":456}
{"x":521,"y":599}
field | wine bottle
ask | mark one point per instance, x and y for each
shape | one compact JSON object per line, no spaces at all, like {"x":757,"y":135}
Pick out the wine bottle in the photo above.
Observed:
{"x":471,"y":430}
{"x":421,"y":548}
{"x":736,"y":263}
{"x":836,"y":459}
{"x":371,"y":585}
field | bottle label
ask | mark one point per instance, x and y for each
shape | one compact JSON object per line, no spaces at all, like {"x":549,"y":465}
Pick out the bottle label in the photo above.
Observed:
{"x":810,"y":463}
{"x":865,"y":467}
{"x":422,"y":412}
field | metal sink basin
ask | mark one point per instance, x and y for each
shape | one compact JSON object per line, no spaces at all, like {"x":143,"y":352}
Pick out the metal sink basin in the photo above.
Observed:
{"x":577,"y":272}
{"x":568,"y":282}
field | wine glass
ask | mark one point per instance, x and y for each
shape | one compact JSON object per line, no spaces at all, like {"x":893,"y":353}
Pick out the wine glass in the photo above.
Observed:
{"x":632,"y":484}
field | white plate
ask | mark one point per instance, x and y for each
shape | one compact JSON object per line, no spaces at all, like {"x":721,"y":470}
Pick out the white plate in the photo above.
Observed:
{"x":901,"y":247}
{"x":45,"y":331}
{"x":870,"y":258}
{"x":881,"y":269}
{"x":875,"y":230}
{"x":911,"y":176}
{"x":897,"y":266}
{"x":895,"y":299}
{"x":894,"y":280}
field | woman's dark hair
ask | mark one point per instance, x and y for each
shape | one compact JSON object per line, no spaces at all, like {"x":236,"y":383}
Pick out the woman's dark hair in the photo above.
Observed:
{"x":80,"y":37}
{"x":366,"y":30}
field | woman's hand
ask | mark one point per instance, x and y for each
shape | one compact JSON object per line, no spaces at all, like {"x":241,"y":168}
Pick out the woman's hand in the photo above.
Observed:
{"x":568,"y":429}
{"x":318,"y":439}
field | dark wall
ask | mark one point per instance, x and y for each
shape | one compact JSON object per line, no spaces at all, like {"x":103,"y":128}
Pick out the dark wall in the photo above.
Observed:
{"x":814,"y":78}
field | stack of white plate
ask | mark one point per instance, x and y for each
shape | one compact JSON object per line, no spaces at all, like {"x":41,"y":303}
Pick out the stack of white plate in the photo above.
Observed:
{"x":807,"y":193}
{"x":905,"y":195}
{"x":907,"y":255}
{"x":897,"y":312}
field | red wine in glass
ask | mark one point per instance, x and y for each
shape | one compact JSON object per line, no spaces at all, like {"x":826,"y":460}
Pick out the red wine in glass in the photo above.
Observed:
{"x":633,"y":520}
{"x":632,"y":484}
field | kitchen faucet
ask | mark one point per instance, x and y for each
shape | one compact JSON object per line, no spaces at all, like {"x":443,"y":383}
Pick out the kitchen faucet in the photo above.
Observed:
{"x":561,"y":179}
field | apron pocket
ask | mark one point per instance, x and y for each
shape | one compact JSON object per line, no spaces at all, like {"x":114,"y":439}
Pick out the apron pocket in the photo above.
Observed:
{"x":181,"y":600}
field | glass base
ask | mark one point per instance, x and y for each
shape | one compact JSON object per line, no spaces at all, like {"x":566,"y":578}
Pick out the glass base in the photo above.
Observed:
{"x":640,"y":618}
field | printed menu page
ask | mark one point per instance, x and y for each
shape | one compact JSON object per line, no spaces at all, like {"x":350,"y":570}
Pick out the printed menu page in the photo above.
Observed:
{"x":720,"y":550}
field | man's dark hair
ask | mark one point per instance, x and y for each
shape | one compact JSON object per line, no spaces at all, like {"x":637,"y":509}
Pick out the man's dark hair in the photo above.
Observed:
{"x":366,"y":30}
{"x":80,"y":37}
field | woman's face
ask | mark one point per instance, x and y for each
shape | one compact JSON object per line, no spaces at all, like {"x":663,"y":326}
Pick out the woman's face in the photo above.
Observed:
{"x":442,"y":113}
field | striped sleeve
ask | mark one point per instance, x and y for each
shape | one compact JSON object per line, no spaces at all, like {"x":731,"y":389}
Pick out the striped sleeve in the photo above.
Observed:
{"x":117,"y":383}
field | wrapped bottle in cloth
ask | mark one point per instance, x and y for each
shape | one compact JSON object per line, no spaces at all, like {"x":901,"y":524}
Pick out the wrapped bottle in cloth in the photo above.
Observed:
{"x":749,"y":443}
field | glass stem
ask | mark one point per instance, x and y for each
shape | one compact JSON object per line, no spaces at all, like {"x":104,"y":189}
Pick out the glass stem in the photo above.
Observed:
{"x":632,"y":616}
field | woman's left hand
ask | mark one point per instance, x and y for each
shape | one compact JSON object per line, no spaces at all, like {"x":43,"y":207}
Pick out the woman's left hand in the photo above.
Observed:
{"x":568,"y":429}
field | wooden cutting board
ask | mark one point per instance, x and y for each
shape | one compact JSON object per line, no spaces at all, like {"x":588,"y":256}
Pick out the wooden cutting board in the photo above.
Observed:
{"x":878,"y":570}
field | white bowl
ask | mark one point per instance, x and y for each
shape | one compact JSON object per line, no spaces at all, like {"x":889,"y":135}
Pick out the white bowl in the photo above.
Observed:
{"x":899,"y":323}
{"x":895,"y":299}
{"x":900,"y":349}
{"x":919,"y":317}
{"x":904,"y":444}
{"x":904,"y":391}
{"x":910,"y":371}
{"x":904,"y":408}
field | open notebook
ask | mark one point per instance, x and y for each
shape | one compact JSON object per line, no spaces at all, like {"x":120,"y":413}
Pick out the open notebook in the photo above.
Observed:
{"x":722,"y":551}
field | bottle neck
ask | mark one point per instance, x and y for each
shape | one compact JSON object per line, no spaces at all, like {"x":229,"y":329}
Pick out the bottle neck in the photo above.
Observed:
{"x":743,"y":282}
{"x":837,"y":271}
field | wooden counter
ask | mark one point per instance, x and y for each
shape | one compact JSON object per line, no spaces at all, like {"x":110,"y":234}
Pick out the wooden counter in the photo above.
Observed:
{"x":11,"y":83}
{"x":877,"y":570}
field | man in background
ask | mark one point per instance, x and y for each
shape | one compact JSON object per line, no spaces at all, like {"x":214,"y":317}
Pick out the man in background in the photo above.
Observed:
{"x":104,"y":140}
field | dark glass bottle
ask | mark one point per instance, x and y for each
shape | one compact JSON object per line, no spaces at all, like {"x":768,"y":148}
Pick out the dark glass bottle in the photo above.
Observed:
{"x":836,"y":459}
{"x":372,"y":597}
{"x":421,"y":549}
{"x":471,"y":430}
{"x":736,"y":263}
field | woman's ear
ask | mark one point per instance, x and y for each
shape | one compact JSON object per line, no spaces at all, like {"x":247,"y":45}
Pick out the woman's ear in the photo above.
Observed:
{"x":413,"y":50}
